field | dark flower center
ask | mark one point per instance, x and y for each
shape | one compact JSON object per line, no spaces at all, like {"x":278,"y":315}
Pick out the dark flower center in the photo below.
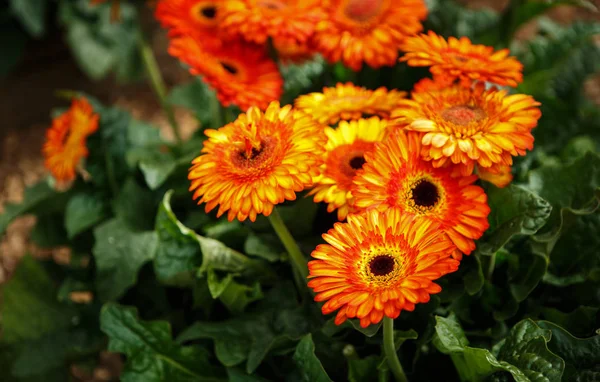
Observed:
{"x":229,"y":68}
{"x":253,"y":157}
{"x":357,"y":162}
{"x":210,"y":12}
{"x":425,"y":194}
{"x":381,"y":265}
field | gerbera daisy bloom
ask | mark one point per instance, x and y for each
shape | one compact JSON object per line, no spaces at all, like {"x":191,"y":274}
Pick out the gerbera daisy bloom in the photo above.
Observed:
{"x":498,"y":174}
{"x":434,"y":84}
{"x":396,"y":176}
{"x":257,"y":161}
{"x":199,"y":18}
{"x":349,"y":102}
{"x":379,"y":264}
{"x":367,"y":31}
{"x":282,"y":20}
{"x":292,"y":52}
{"x":459,"y":58}
{"x":241,"y":73}
{"x":65,"y":140}
{"x":471,"y":126}
{"x":345,"y":155}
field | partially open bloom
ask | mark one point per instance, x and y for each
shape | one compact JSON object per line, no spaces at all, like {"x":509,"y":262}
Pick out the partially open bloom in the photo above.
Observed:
{"x":199,"y":18}
{"x":471,"y":126}
{"x":349,"y":102}
{"x":241,"y":73}
{"x":345,"y":155}
{"x":396,"y":176}
{"x":65,"y":144}
{"x":369,"y":31}
{"x":379,"y":264}
{"x":459,"y":58}
{"x":284,"y":21}
{"x":258,"y":161}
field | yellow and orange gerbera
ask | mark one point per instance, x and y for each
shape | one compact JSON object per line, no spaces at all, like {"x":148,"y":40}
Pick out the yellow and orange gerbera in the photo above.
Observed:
{"x":258,"y":161}
{"x":65,"y":144}
{"x":349,"y":102}
{"x":285,"y":21}
{"x":460,"y":59}
{"x":367,"y":31}
{"x":379,"y":264}
{"x":471,"y":126}
{"x":241,"y":73}
{"x":396,"y":176}
{"x":345,"y":155}
{"x":199,"y":18}
{"x":437,"y":83}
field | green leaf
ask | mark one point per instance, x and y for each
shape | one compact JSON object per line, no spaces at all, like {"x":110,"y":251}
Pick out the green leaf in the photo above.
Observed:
{"x":514,"y":211}
{"x":580,"y":322}
{"x":47,"y":234}
{"x":120,"y":253}
{"x":524,"y":354}
{"x":265,"y":246}
{"x":32,"y":14}
{"x":581,"y":355}
{"x":233,"y":295}
{"x":525,"y":271}
{"x":83,"y":212}
{"x":300,"y":79}
{"x":573,"y":189}
{"x":13,"y":41}
{"x":308,"y":363}
{"x":449,"y":18}
{"x":30,"y":307}
{"x":152,"y":355}
{"x":178,"y":254}
{"x":195,"y":96}
{"x":135,"y":206}
{"x":362,"y":369}
{"x":34,"y":197}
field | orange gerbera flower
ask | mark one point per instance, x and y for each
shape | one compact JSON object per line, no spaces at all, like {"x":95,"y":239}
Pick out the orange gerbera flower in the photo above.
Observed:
{"x":292,"y":52}
{"x":459,"y":58}
{"x":471,"y":126}
{"x":199,"y":18}
{"x":395,"y":176}
{"x":379,"y":264}
{"x":349,"y":102}
{"x":497,"y":174}
{"x":369,"y":31}
{"x":258,"y":161}
{"x":346,"y":149}
{"x":283,"y":20}
{"x":65,"y":140}
{"x":241,"y":73}
{"x":437,"y":83}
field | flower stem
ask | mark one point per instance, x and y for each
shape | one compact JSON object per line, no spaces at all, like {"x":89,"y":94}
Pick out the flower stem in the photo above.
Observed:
{"x":297,"y":258}
{"x":158,"y":85}
{"x":390,"y":350}
{"x":491,"y":266}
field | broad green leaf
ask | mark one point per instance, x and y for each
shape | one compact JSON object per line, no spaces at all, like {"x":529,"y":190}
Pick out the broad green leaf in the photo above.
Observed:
{"x":308,"y":363}
{"x":152,"y":355}
{"x":30,"y":308}
{"x":34,"y":197}
{"x":237,"y":375}
{"x":302,"y":78}
{"x":265,"y":246}
{"x":120,"y":253}
{"x":473,"y":278}
{"x":233,"y":295}
{"x":514,"y":211}
{"x":143,"y":134}
{"x":83,"y":212}
{"x":525,"y":271}
{"x":362,"y":369}
{"x":195,"y":96}
{"x":47,"y":234}
{"x":524,"y":353}
{"x":581,"y":355}
{"x":449,"y":18}
{"x":573,"y":189}
{"x":135,"y":206}
{"x":32,"y":14}
{"x":580,"y":322}
{"x":178,"y":253}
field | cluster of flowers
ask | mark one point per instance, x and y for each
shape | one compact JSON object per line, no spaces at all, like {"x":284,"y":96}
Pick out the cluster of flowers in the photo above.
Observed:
{"x":230,"y":42}
{"x":401,"y":170}
{"x":404,"y":175}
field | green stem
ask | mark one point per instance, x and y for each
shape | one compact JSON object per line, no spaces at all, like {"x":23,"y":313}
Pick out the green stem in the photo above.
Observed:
{"x":296,"y":256}
{"x":491,"y":266}
{"x":158,"y":85}
{"x":390,"y":350}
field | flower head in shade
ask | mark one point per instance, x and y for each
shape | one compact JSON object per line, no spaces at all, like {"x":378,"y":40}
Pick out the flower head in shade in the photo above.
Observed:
{"x":379,"y":264}
{"x":65,"y":144}
{"x":257,"y":161}
{"x":396,"y":176}
{"x":460,"y":59}
{"x":285,"y":21}
{"x":346,"y":148}
{"x":349,"y":102}
{"x":367,"y":31}
{"x":471,"y":126}
{"x":242,"y":74}
{"x":199,"y":18}
{"x":437,"y":83}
